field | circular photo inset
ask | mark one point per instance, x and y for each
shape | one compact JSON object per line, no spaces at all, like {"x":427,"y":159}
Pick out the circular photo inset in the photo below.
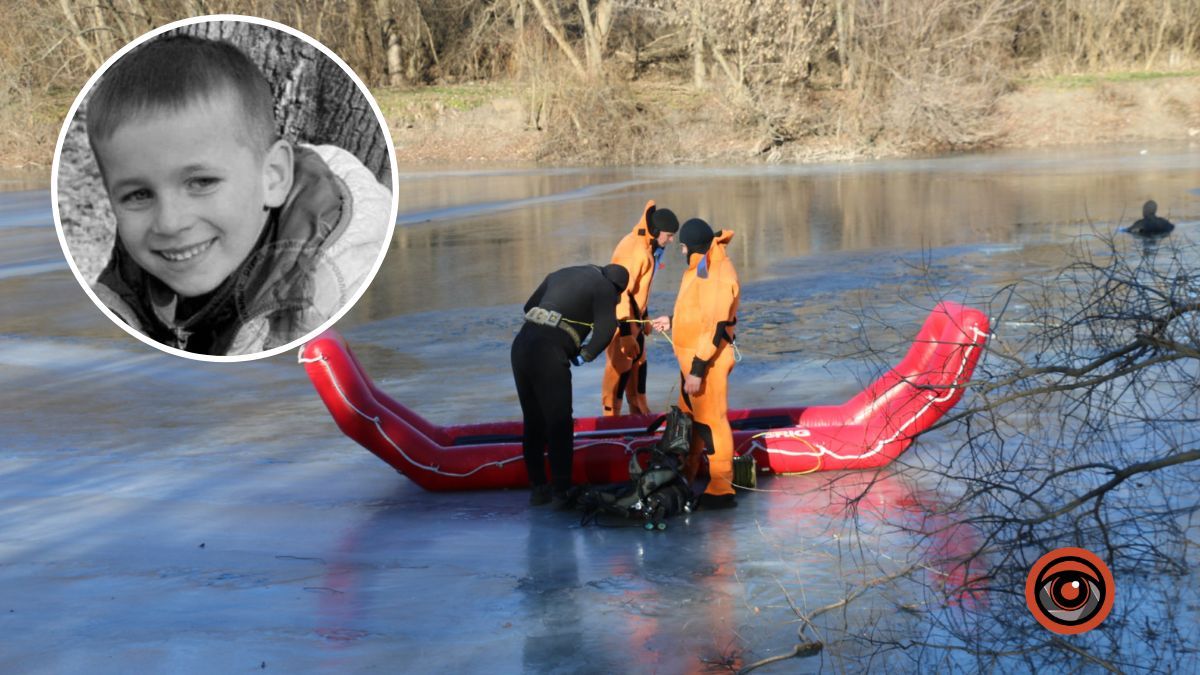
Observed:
{"x":224,"y":188}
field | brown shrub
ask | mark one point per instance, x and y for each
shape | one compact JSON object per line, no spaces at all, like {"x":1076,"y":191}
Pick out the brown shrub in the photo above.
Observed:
{"x":595,"y":122}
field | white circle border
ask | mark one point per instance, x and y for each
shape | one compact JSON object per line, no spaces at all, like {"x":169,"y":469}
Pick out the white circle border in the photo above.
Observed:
{"x":387,"y":241}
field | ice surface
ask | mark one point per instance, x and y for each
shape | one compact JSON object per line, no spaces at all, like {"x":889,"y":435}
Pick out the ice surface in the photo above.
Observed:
{"x":163,"y":515}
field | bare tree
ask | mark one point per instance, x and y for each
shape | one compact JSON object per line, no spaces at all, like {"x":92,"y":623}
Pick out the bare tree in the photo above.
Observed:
{"x":876,"y":76}
{"x":1082,"y":432}
{"x":595,"y":20}
{"x":391,"y":42}
{"x":80,"y":36}
{"x":554,"y":28}
{"x":1079,"y":430}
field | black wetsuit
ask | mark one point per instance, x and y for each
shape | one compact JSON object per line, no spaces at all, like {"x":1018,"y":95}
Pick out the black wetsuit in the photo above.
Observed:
{"x":541,"y":363}
{"x":1151,"y":225}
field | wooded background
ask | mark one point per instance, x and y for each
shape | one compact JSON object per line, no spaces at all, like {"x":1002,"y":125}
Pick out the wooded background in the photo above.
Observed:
{"x":920,"y":72}
{"x":789,"y":43}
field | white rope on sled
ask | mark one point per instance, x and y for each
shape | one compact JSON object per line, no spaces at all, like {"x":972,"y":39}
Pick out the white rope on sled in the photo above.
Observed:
{"x":628,"y":444}
{"x":377,"y":421}
{"x":933,"y":399}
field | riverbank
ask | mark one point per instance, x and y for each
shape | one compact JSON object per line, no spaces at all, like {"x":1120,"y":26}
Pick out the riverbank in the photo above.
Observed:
{"x":667,"y":123}
{"x":502,"y":124}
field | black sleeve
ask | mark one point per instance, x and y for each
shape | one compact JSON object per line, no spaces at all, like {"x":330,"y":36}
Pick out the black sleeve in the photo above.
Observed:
{"x":604,"y":321}
{"x":537,"y":296}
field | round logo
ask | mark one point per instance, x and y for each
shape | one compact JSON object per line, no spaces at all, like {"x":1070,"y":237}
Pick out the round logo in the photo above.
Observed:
{"x":1069,"y":591}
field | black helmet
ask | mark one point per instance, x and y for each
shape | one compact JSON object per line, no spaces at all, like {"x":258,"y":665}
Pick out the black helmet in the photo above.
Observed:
{"x":618,"y":275}
{"x":663,"y":220}
{"x":696,"y":235}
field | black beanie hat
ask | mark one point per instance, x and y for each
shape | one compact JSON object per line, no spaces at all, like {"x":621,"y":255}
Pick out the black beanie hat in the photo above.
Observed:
{"x":663,"y":220}
{"x":618,"y":275}
{"x":696,"y":235}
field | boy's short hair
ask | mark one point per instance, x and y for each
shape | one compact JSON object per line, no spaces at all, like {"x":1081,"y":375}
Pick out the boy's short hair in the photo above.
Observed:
{"x":174,"y":72}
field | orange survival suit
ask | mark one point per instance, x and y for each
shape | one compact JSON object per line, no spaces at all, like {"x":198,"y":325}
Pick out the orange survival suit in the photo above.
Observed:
{"x":703,"y":333}
{"x":625,"y":368}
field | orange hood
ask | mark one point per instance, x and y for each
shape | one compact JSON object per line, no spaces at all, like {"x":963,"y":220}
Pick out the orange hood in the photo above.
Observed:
{"x":716,"y":250}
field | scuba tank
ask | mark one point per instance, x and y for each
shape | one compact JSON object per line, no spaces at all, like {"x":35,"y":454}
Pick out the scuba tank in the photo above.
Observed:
{"x":653,"y":493}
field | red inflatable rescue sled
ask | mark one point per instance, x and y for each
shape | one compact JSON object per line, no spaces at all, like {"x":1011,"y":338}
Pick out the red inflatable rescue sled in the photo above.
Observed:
{"x":869,"y":430}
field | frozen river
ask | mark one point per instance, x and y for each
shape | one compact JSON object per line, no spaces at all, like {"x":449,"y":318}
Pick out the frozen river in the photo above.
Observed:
{"x":164,"y":515}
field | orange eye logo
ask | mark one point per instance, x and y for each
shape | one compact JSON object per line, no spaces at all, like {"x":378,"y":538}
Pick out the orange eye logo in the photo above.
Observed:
{"x":1069,"y":591}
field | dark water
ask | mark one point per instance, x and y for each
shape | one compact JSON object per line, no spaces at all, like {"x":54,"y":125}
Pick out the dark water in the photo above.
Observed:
{"x":117,"y":462}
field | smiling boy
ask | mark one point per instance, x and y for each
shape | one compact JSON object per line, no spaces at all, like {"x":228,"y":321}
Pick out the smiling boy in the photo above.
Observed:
{"x":230,"y":240}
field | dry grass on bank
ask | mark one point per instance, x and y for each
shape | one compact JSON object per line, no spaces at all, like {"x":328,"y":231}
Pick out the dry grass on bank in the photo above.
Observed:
{"x":598,"y":81}
{"x":29,"y":126}
{"x":665,"y":122}
{"x":560,"y":120}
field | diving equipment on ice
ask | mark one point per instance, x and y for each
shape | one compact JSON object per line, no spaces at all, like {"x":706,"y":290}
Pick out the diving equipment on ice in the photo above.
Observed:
{"x":655,"y":492}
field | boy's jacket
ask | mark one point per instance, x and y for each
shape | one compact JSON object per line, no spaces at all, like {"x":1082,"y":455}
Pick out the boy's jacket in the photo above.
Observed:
{"x":313,"y":255}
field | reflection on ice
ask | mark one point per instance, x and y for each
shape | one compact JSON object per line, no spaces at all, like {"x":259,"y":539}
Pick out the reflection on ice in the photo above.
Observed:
{"x":706,"y":591}
{"x":180,"y":544}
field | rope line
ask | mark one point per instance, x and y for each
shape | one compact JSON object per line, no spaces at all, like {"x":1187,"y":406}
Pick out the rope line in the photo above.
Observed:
{"x":663,"y":333}
{"x":818,"y":449}
{"x":300,"y":356}
{"x":933,"y":399}
{"x":377,"y":421}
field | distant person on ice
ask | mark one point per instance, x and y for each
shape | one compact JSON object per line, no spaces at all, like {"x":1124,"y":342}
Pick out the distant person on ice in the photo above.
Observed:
{"x":230,"y":240}
{"x":1151,"y":225}
{"x":703,"y":332}
{"x":641,"y":253}
{"x":565,"y":308}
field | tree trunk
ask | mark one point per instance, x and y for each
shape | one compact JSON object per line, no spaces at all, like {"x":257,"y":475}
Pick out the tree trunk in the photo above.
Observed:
{"x":1156,"y":45}
{"x":356,"y":43}
{"x":696,"y":45}
{"x":316,"y":102}
{"x":103,"y":33}
{"x":555,"y":32}
{"x":518,"y":14}
{"x":89,"y":51}
{"x":845,"y":37}
{"x":1104,"y":42}
{"x":347,"y":120}
{"x":122,"y":33}
{"x":391,"y":43}
{"x":595,"y":33}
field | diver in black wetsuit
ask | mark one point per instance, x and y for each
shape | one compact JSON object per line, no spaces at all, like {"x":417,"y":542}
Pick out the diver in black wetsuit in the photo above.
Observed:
{"x":1151,"y":225}
{"x":559,"y":315}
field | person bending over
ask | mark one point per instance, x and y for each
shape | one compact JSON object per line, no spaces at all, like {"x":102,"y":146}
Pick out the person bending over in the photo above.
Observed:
{"x":641,"y":253}
{"x":569,"y":304}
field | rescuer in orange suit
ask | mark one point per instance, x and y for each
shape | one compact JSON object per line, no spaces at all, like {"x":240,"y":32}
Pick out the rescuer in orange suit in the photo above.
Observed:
{"x":702,"y":330}
{"x":641,"y":253}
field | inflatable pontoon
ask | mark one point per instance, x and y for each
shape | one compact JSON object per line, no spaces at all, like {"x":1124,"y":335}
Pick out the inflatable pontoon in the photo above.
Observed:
{"x":869,"y":430}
